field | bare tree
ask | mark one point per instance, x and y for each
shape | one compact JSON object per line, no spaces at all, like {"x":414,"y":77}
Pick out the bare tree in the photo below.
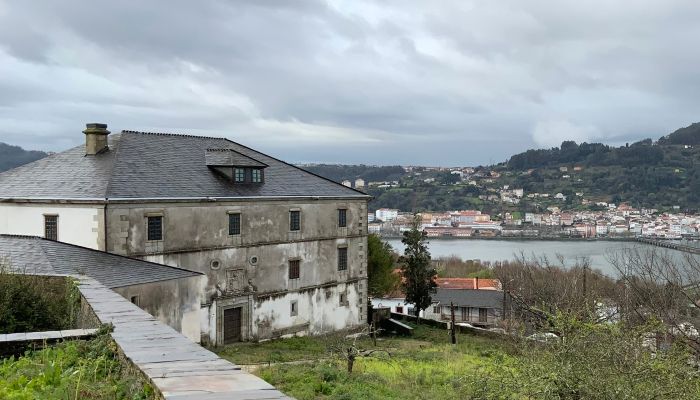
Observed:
{"x":661,"y":286}
{"x":350,"y":347}
{"x":540,"y":288}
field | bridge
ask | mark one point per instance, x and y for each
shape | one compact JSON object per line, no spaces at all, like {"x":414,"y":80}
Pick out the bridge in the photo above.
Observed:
{"x":670,"y":245}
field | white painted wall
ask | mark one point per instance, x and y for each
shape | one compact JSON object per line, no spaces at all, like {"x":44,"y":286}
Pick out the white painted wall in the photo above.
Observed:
{"x":77,"y":224}
{"x":321,"y":308}
{"x":393,"y":303}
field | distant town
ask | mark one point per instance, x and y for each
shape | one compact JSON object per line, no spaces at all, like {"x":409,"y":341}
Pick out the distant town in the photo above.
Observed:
{"x":617,"y":222}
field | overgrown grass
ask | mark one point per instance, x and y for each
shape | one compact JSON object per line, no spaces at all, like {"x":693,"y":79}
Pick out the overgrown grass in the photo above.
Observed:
{"x":292,"y":349}
{"x":70,"y":371}
{"x":595,"y":362}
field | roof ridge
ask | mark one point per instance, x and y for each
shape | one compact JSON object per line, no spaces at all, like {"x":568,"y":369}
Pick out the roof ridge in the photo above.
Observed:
{"x":44,"y":240}
{"x":296,"y":167}
{"x":18,"y":236}
{"x":171,"y":134}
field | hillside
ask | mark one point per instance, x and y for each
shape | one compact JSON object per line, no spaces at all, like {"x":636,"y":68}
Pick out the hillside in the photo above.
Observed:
{"x":369,"y":173}
{"x":14,"y":156}
{"x":660,"y":174}
{"x":647,"y":174}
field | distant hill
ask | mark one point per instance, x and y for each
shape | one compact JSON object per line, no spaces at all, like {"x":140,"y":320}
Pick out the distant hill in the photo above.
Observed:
{"x":369,"y":173}
{"x":690,"y":135}
{"x":646,"y":173}
{"x":14,"y":156}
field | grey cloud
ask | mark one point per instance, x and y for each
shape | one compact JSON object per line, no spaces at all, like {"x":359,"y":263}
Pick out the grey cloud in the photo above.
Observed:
{"x":360,"y":81}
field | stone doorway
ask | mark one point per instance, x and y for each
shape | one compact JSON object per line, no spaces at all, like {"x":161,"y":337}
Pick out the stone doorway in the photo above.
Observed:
{"x":232,"y":324}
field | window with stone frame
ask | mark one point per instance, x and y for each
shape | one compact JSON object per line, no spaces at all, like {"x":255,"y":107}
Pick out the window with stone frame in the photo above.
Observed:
{"x":342,"y":218}
{"x":51,"y":227}
{"x":294,"y":269}
{"x":342,"y":258}
{"x":155,"y":228}
{"x":294,"y":220}
{"x":234,"y":224}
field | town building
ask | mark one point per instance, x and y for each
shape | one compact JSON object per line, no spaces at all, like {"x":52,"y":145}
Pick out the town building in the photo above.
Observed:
{"x":283,"y":250}
{"x":386,"y":214}
{"x":482,"y":308}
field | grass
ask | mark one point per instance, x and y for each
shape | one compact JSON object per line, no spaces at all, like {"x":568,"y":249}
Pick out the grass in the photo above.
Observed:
{"x":423,"y":366}
{"x":70,"y":370}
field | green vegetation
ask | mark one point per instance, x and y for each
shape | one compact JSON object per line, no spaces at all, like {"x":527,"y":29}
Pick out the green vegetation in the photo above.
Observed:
{"x":648,"y":174}
{"x":71,"y":370}
{"x":273,"y":351}
{"x":31,"y":303}
{"x":380,"y":267}
{"x":416,"y":269}
{"x":369,"y":173}
{"x":601,"y":361}
{"x":14,"y":156}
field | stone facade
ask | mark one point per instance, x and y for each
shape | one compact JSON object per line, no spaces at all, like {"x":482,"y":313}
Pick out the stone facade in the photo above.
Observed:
{"x":251,"y":270}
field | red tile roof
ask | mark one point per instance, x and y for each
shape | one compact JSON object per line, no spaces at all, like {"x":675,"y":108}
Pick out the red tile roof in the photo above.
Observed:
{"x":468,"y":283}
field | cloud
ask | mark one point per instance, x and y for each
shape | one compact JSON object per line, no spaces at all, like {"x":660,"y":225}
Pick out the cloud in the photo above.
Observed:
{"x":551,"y":133}
{"x":405,"y":81}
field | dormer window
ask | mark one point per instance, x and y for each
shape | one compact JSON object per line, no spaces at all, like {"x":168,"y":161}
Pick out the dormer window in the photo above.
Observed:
{"x":257,"y":176}
{"x":237,"y":167}
{"x":239,"y":175}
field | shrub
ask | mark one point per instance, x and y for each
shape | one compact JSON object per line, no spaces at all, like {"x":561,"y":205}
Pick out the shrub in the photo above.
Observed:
{"x":36,"y":303}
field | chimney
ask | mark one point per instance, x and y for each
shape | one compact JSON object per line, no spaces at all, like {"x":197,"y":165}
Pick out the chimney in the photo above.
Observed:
{"x":95,"y":138}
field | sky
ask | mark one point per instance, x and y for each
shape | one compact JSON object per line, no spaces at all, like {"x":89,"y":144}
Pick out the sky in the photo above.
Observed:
{"x":376,"y":82}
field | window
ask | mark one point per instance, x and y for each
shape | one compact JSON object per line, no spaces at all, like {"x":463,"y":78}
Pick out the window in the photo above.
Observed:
{"x":399,"y":309}
{"x":239,"y":175}
{"x":483,"y":315}
{"x":342,"y":218}
{"x":234,"y":224}
{"x":342,"y":258}
{"x":294,"y":220}
{"x":155,"y":228}
{"x":436,"y":309}
{"x":294,"y":269}
{"x":343,"y":299}
{"x":257,"y":176}
{"x":293,"y":308}
{"x":51,"y":227}
{"x":465,"y":313}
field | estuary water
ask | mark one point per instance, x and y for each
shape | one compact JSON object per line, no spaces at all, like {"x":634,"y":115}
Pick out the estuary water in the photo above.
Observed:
{"x":598,"y":252}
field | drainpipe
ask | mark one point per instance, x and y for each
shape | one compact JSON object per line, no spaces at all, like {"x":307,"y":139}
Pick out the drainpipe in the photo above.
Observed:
{"x":105,"y":225}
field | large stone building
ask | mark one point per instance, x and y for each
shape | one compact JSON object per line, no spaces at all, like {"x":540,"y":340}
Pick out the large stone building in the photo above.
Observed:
{"x":284,"y":250}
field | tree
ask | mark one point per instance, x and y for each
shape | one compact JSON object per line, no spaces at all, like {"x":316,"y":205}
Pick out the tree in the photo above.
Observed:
{"x":380,"y":267}
{"x":416,"y":268}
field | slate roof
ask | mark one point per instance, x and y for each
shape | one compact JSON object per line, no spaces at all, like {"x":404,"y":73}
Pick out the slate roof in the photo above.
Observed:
{"x":158,"y":165}
{"x":230,"y":158}
{"x":469,"y":298}
{"x":34,"y":255}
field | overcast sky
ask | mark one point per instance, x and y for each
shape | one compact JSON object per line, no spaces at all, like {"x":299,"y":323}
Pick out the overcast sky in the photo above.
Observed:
{"x":379,"y":82}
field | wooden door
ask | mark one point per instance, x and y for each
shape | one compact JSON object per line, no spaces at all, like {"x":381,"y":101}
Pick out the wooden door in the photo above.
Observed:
{"x":232,"y":325}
